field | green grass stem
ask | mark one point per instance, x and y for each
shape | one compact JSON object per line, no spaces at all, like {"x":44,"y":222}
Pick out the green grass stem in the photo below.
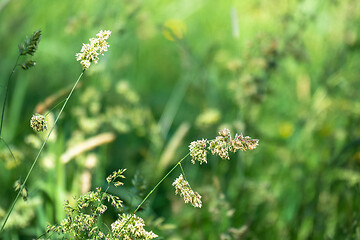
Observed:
{"x":38,"y":155}
{"x":154,"y":188}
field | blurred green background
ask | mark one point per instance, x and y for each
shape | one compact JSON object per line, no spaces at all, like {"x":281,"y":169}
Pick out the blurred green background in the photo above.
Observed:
{"x":285,"y":72}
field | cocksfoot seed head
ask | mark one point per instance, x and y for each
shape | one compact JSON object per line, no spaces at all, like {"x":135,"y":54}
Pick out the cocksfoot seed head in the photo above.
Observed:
{"x":130,"y":227}
{"x":223,"y":144}
{"x":30,"y":45}
{"x":90,"y":52}
{"x":38,"y":123}
{"x":198,"y":151}
{"x":183,"y":188}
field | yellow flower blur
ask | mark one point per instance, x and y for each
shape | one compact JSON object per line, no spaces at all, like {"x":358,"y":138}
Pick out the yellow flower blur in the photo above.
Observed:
{"x":286,"y":130}
{"x":174,"y":29}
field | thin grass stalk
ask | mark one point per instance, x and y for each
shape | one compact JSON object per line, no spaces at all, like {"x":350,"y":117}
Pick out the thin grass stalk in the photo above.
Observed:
{"x":8,"y":147}
{"x":54,"y":107}
{"x":38,"y":155}
{"x":154,"y":188}
{"x":6,"y":93}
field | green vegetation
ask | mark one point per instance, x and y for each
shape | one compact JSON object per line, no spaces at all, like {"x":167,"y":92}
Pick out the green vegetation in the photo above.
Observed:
{"x":284,"y":72}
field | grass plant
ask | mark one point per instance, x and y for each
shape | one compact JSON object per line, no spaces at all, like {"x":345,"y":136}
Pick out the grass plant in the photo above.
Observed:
{"x":178,"y":71}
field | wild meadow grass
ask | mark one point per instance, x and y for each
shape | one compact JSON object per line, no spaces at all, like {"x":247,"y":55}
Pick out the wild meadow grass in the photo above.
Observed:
{"x":176,"y":74}
{"x":83,"y":220}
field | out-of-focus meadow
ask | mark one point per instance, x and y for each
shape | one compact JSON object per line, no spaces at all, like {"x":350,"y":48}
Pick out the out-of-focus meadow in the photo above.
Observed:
{"x":285,"y":72}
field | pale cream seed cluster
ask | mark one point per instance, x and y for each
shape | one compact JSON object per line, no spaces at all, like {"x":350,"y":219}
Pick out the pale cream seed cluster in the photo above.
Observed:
{"x":183,"y":188}
{"x":90,"y":52}
{"x":198,"y":151}
{"x":221,"y":146}
{"x":81,"y":220}
{"x":243,"y":143}
{"x":134,"y":228}
{"x":115,"y":175}
{"x":38,"y":123}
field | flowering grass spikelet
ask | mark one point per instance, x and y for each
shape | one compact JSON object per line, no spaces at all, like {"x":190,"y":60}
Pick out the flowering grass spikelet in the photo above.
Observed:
{"x":38,"y":123}
{"x":243,"y":143}
{"x":116,"y":174}
{"x":90,"y":52}
{"x":82,"y":218}
{"x":28,"y":64}
{"x":134,"y":228}
{"x":183,"y":188}
{"x":198,"y":151}
{"x":223,"y":144}
{"x":220,"y":146}
{"x":17,"y":185}
{"x":30,"y":45}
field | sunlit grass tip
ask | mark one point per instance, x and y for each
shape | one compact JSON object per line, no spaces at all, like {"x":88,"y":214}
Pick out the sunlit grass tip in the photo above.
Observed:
{"x":90,"y":52}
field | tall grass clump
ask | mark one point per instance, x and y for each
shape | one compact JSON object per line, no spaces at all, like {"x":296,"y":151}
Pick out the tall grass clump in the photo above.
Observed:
{"x":83,"y":217}
{"x":27,"y":47}
{"x":283,"y":71}
{"x":83,"y":221}
{"x":89,"y":54}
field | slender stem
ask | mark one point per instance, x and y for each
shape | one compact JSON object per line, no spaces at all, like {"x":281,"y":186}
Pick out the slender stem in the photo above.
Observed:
{"x":6,"y":93}
{"x":152,"y":190}
{"x":55,"y":106}
{"x":42,"y":147}
{"x":182,"y":170}
{"x":39,"y":237}
{"x":102,"y":195}
{"x":8,"y":147}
